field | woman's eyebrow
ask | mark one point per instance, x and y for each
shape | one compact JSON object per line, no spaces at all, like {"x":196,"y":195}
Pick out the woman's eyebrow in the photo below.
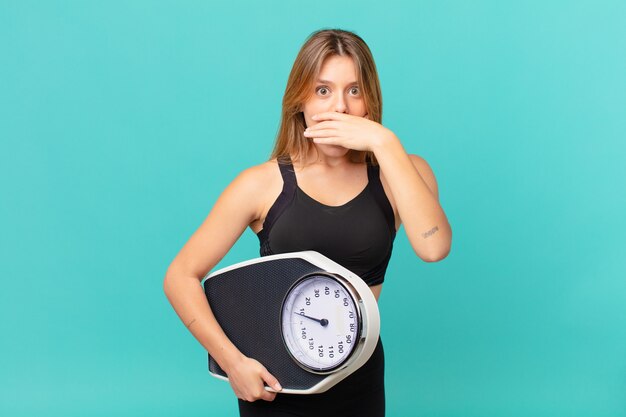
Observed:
{"x":331,"y":83}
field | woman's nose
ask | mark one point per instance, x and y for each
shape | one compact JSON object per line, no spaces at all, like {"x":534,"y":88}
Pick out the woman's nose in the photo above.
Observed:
{"x":340,"y":105}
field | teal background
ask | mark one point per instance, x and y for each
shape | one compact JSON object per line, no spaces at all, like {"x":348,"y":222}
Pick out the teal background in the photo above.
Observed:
{"x":121,"y":122}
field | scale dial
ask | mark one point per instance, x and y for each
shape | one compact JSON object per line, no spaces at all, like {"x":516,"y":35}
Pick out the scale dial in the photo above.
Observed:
{"x":320,"y":322}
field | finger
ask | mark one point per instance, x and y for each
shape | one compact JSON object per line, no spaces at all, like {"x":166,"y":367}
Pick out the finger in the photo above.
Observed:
{"x":271,"y":380}
{"x":327,"y":141}
{"x":326,"y":124}
{"x":320,"y":133}
{"x":329,"y":115}
{"x":268,"y":396}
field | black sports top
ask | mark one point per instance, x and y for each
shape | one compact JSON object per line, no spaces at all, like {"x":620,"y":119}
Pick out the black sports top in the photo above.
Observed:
{"x":358,"y":235}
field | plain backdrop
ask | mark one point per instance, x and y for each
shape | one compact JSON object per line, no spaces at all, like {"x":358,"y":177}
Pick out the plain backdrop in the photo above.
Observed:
{"x":122,"y":121}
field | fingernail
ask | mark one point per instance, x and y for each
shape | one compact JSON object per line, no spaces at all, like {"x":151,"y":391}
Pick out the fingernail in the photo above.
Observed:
{"x":277,"y":387}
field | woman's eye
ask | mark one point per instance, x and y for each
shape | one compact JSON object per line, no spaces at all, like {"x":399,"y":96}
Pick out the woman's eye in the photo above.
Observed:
{"x":322,"y":88}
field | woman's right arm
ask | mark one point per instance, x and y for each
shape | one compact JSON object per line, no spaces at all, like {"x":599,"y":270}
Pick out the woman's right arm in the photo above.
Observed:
{"x":239,"y":204}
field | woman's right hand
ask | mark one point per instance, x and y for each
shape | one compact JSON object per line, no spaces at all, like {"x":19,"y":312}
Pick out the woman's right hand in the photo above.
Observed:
{"x":247,"y":377}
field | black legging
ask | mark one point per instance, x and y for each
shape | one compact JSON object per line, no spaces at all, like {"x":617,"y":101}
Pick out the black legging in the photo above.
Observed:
{"x":361,"y":394}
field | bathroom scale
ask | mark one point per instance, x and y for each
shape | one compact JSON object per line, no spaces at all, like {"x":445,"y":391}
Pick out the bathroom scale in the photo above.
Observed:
{"x":308,"y":320}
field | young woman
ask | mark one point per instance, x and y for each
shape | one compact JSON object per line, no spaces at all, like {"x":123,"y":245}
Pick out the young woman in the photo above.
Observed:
{"x":337,"y":182}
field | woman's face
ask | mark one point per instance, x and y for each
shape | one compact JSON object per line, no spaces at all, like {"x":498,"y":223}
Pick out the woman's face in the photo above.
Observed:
{"x":336,"y":89}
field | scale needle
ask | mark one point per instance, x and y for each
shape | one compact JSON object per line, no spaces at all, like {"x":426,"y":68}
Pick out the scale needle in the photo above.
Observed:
{"x":323,"y":322}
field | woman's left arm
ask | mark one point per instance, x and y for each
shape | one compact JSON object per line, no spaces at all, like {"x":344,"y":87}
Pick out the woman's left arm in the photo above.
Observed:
{"x":409,"y":177}
{"x":414,"y":189}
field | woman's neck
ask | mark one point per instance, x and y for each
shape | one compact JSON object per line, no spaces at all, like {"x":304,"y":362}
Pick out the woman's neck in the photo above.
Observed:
{"x":317,"y":157}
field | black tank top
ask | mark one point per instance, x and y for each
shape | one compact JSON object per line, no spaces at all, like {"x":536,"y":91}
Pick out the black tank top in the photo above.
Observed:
{"x":358,"y":235}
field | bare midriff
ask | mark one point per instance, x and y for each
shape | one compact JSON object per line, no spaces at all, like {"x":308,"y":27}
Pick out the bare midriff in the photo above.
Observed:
{"x":376,"y":289}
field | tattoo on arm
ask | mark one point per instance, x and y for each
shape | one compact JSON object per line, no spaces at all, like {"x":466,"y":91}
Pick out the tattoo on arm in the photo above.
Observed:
{"x":190,"y":323}
{"x":430,"y":232}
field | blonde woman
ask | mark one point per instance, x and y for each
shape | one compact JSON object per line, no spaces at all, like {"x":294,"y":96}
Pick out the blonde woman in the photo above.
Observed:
{"x":337,"y":182}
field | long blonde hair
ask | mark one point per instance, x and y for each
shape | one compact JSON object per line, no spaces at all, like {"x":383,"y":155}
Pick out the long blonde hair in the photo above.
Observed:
{"x":290,"y":140}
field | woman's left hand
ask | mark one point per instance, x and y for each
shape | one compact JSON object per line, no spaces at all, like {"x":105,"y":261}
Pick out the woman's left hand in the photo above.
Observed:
{"x":352,"y":132}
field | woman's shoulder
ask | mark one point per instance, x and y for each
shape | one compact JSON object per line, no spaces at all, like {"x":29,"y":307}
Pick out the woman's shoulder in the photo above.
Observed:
{"x":259,"y":186}
{"x":259,"y":178}
{"x":262,"y":172}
